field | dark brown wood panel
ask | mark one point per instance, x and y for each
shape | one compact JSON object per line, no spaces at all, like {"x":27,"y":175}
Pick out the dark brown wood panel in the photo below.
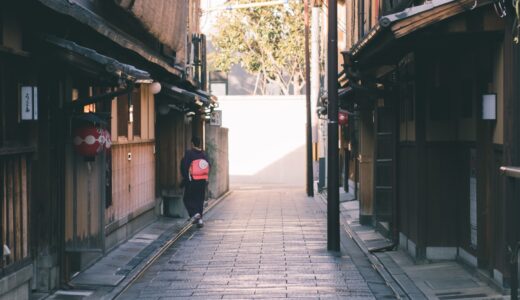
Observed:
{"x":500,"y":254}
{"x":448,"y":181}
{"x":407,"y":190}
{"x":172,"y":139}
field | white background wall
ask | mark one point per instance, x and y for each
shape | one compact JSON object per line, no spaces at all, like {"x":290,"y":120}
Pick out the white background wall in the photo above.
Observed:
{"x":266,"y":139}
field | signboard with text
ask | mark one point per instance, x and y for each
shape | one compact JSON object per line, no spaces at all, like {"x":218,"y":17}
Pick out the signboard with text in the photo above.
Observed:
{"x":216,"y":118}
{"x":28,"y":103}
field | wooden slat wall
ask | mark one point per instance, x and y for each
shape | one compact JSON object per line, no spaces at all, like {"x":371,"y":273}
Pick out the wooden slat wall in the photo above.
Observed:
{"x":15,"y":211}
{"x":84,"y":192}
{"x":173,"y":139}
{"x":24,"y":205}
{"x":366,"y":165}
{"x":69,"y":192}
{"x":407,"y":195}
{"x":500,"y":254}
{"x":448,"y":182}
{"x":133,"y":181}
{"x":9,"y":204}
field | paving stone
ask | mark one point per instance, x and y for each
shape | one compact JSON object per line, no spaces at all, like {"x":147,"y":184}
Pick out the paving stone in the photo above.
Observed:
{"x":261,"y":244}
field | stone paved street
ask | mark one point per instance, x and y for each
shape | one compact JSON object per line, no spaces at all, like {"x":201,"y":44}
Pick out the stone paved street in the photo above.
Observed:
{"x":259,"y":243}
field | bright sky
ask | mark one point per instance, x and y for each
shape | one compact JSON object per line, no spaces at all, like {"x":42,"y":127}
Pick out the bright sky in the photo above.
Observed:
{"x":208,"y":18}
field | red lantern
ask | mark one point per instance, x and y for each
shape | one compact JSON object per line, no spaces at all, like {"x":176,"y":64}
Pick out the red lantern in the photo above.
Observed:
{"x":108,"y":139}
{"x":343,"y":117}
{"x":89,"y":140}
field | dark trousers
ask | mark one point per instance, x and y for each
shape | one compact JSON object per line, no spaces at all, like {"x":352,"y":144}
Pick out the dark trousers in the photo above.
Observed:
{"x":194,"y":194}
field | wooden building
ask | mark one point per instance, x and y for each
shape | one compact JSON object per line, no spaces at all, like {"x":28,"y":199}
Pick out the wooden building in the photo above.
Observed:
{"x":68,"y":67}
{"x":430,"y":85}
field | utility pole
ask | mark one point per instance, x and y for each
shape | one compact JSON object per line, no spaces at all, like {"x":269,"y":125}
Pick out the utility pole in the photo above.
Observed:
{"x":333,"y":241}
{"x":315,"y":65}
{"x":310,"y":177}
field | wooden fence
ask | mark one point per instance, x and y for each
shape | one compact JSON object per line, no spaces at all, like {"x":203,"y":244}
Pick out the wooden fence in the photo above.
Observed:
{"x":14,"y":208}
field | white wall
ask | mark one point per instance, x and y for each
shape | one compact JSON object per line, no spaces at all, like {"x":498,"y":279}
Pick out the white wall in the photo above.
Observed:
{"x":266,"y":139}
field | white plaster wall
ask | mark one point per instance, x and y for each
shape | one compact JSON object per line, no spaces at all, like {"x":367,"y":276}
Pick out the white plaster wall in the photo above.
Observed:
{"x":266,"y":139}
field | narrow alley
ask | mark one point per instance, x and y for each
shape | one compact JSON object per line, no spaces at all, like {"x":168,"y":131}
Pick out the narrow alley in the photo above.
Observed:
{"x":261,"y":243}
{"x":259,"y":149}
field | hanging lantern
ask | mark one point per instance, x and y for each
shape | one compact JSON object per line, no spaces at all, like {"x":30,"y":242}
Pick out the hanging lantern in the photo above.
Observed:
{"x":343,"y":117}
{"x":108,"y":139}
{"x":89,"y":140}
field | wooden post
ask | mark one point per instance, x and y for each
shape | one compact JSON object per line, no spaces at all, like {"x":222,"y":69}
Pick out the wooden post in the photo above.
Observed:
{"x":421,"y":169}
{"x":366,"y":168}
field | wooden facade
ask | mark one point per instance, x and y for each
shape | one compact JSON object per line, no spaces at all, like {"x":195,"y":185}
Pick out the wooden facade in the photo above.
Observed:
{"x":133,"y":158}
{"x":14,"y":172}
{"x":433,"y":67}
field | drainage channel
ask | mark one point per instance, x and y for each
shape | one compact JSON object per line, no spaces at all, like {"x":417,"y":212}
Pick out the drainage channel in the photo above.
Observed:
{"x":398,"y":291}
{"x":161,"y":251}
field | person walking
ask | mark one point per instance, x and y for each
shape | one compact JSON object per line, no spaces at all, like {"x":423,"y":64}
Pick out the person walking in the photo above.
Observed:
{"x":195,"y":173}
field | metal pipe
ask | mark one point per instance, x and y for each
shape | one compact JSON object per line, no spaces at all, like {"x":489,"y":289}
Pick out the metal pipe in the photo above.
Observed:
{"x":333,"y":239}
{"x":310,"y":177}
{"x":196,"y":59}
{"x":510,"y":171}
{"x":204,"y":72}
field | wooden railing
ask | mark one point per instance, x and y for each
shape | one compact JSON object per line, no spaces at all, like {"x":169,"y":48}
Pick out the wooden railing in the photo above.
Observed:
{"x":14,"y":206}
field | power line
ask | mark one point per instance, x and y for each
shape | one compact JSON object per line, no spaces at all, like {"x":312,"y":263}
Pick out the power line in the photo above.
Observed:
{"x":340,"y":22}
{"x":248,"y":5}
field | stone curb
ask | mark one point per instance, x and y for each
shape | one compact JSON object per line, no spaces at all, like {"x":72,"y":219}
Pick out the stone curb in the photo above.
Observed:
{"x":391,"y":281}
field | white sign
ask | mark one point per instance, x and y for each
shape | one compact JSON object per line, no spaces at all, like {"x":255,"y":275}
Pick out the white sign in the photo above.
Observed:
{"x":29,"y":103}
{"x":489,"y":107}
{"x":35,"y":103}
{"x":216,"y":118}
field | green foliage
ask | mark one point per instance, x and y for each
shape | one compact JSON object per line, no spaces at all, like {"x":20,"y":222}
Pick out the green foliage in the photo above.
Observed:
{"x":267,"y":40}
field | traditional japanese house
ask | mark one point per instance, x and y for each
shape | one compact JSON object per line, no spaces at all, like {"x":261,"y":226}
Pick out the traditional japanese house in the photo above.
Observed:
{"x":430,"y":84}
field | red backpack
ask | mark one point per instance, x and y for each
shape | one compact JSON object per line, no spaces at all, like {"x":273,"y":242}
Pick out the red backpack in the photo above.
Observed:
{"x":199,"y":169}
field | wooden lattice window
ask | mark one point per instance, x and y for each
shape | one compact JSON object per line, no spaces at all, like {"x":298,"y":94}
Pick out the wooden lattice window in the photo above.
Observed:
{"x":14,"y":210}
{"x":136,"y":103}
{"x":123,"y":116}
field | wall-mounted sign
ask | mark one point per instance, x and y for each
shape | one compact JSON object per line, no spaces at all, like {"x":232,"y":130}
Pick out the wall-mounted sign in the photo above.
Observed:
{"x":28,"y":103}
{"x":489,"y":107}
{"x":216,"y":118}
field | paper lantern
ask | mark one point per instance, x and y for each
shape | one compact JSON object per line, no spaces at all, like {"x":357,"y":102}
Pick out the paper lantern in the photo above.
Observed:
{"x":343,"y":117}
{"x":89,"y":140}
{"x":108,"y":139}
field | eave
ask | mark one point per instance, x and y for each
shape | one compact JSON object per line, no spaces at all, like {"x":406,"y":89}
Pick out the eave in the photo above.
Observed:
{"x":108,"y":30}
{"x":401,"y":24}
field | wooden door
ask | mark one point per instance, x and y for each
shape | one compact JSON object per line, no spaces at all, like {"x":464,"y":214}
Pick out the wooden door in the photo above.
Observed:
{"x":384,"y":165}
{"x":84,"y":202}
